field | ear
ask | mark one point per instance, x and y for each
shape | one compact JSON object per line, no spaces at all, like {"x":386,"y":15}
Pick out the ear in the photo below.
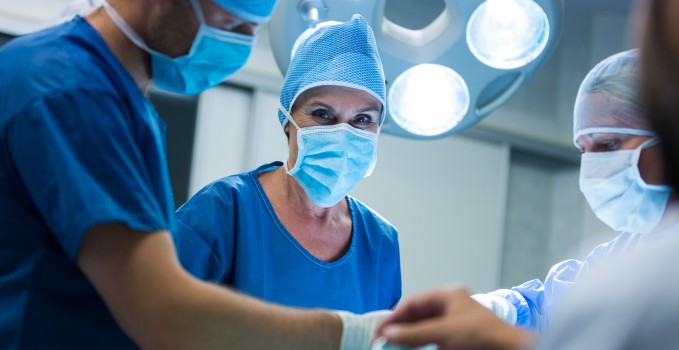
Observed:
{"x":286,"y":131}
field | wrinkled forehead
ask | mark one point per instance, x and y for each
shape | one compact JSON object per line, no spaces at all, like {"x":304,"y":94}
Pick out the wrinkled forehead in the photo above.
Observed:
{"x":332,"y":92}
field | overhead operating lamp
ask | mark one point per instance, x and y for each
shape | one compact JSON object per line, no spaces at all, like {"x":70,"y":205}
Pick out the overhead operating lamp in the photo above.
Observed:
{"x":448,"y":63}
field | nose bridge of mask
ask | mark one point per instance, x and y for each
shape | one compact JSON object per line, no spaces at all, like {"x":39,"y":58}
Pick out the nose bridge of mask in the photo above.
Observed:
{"x":631,"y":157}
{"x":322,"y":129}
{"x":603,"y":165}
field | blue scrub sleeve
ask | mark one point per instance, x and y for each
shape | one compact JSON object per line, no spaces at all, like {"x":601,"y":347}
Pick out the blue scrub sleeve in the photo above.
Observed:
{"x":535,"y":301}
{"x":78,"y":158}
{"x":198,"y":256}
{"x":206,"y":234}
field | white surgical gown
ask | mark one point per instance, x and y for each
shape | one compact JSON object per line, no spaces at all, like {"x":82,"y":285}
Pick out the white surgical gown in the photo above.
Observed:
{"x":627,"y":303}
{"x":535,"y":301}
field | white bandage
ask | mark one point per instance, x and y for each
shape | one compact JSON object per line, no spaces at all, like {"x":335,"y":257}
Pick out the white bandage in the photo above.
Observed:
{"x":359,"y":330}
{"x":499,"y":305}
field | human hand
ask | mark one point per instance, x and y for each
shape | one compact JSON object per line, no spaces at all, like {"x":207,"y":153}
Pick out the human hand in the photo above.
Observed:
{"x":451,"y":319}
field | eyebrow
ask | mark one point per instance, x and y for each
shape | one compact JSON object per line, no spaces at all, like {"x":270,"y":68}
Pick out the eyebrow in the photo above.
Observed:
{"x":373,"y":108}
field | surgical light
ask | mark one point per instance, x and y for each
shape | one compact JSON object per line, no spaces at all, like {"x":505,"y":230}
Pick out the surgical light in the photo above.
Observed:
{"x":507,"y":34}
{"x":448,"y":63}
{"x":428,"y":99}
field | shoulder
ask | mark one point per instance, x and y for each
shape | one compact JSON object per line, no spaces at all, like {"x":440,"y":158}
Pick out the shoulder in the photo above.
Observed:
{"x":622,"y":243}
{"x":219,"y":204}
{"x":222,"y":192}
{"x":68,"y":57}
{"x":228,"y":190}
{"x":214,"y":206}
{"x":373,"y":221}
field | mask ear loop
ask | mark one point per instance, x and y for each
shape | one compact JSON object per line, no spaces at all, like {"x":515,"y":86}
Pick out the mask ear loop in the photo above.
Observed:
{"x":136,"y":39}
{"x":300,"y":144}
{"x":287,"y":115}
{"x":125,"y":28}
{"x":637,"y":154}
{"x":198,"y":11}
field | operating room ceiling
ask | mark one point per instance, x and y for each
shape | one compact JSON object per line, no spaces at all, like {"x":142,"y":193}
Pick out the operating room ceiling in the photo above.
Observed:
{"x":19,"y":16}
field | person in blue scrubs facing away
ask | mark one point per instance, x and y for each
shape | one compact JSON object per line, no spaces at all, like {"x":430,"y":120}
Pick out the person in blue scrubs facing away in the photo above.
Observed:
{"x":289,"y":232}
{"x":86,"y":255}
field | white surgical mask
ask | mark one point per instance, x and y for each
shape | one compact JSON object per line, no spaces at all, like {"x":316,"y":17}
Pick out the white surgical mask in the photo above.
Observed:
{"x":617,"y":194}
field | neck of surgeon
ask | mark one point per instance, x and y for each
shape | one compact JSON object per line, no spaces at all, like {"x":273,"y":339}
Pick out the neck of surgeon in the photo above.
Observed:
{"x":135,"y":60}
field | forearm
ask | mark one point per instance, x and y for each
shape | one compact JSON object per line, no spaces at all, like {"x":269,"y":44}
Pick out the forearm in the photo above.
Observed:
{"x":211,"y":317}
{"x":160,"y":306}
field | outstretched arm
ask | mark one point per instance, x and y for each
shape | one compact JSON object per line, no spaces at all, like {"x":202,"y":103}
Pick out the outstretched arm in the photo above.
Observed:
{"x":160,"y":306}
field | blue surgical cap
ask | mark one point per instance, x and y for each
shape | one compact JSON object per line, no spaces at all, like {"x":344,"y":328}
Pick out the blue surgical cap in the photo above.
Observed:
{"x":344,"y":54}
{"x":256,"y":11}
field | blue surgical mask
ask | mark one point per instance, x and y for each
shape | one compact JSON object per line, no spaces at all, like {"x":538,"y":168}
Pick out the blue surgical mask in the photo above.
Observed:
{"x":331,"y":160}
{"x":618,"y":195}
{"x":214,"y":56}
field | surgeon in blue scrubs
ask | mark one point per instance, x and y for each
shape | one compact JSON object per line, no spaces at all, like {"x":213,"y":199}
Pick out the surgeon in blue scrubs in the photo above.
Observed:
{"x":288,"y":232}
{"x":86,"y":255}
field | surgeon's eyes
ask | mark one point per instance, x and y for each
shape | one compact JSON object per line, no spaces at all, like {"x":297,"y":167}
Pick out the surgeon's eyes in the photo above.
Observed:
{"x":243,"y":28}
{"x":363,"y":121}
{"x":610,"y":145}
{"x":321,"y":115}
{"x":602,"y":146}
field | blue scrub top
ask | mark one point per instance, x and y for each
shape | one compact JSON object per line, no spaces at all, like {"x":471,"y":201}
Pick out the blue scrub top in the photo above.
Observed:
{"x":229,"y":233}
{"x":79,"y":145}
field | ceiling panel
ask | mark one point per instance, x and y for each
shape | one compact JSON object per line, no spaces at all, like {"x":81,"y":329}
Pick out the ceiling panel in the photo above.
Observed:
{"x":22,"y":16}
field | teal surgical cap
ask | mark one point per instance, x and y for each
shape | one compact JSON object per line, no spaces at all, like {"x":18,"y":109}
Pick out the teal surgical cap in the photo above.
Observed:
{"x":343,"y":54}
{"x":256,"y":11}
